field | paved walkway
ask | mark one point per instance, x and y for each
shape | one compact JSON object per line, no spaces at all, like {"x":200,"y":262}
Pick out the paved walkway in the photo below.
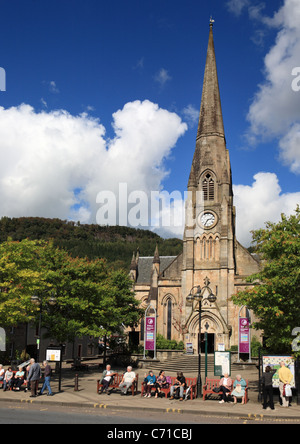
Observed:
{"x":87,"y":397}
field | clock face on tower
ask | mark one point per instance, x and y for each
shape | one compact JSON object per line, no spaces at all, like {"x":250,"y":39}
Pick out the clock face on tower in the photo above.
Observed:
{"x":207,"y":219}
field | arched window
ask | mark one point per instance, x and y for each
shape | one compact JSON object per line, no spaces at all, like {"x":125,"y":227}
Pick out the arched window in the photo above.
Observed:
{"x":208,"y":187}
{"x":169,"y":320}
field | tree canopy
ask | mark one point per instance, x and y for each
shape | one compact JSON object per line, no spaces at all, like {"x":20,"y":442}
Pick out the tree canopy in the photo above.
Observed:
{"x":275,"y":296}
{"x":114,"y":243}
{"x":76,"y":296}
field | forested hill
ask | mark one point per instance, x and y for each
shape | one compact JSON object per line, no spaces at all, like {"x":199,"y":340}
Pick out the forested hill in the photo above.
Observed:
{"x":116,"y":244}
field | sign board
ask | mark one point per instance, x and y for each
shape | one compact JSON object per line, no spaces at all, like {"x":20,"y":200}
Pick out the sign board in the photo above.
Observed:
{"x":222,"y":363}
{"x":2,"y":340}
{"x":274,"y":363}
{"x":244,"y":335}
{"x":189,"y":348}
{"x":150,"y":337}
{"x":53,"y":355}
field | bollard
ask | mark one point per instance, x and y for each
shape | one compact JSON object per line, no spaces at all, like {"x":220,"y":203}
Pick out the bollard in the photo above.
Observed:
{"x":76,"y":389}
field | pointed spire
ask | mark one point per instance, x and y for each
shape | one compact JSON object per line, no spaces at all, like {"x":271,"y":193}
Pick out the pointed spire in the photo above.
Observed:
{"x":133,"y":265}
{"x":156,"y":259}
{"x":211,"y":118}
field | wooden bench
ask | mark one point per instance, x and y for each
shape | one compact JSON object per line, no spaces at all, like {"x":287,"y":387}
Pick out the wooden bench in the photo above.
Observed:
{"x":10,"y":388}
{"x":208,"y":388}
{"x":190,"y":382}
{"x":116,"y":381}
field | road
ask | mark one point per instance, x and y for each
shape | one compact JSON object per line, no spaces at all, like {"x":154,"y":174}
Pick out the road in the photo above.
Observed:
{"x":28,"y":414}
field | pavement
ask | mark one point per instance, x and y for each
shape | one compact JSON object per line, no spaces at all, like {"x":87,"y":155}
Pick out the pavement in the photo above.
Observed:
{"x":87,"y":397}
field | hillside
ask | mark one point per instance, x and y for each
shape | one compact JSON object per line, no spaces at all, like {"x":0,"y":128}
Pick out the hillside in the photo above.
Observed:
{"x":116,"y":244}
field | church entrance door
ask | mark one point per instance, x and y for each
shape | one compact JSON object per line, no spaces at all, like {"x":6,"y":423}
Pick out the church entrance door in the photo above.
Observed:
{"x":210,"y":343}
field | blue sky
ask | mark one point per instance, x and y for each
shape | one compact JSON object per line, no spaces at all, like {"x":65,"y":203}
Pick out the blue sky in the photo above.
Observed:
{"x":86,"y":81}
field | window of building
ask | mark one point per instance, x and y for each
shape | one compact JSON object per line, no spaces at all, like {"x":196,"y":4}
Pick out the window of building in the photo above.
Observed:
{"x":208,"y":187}
{"x":169,"y":322}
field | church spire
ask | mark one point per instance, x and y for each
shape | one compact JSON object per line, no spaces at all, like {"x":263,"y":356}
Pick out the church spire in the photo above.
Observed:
{"x":211,"y":118}
{"x":211,"y":142}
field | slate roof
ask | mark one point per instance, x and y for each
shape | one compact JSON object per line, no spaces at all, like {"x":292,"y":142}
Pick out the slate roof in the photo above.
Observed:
{"x":145,"y":267}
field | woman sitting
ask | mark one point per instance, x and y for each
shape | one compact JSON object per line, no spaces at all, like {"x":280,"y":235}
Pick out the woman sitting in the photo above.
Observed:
{"x":239,"y":391}
{"x":18,"y":380}
{"x":149,"y":382}
{"x":8,"y":379}
{"x":226,"y":384}
{"x":161,"y":383}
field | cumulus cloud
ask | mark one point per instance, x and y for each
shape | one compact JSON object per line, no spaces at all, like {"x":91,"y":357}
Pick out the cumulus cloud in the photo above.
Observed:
{"x":274,"y":113}
{"x":261,"y":202}
{"x":54,"y":164}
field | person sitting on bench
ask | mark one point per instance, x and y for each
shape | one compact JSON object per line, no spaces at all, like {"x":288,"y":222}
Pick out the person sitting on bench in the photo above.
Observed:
{"x":179,"y":385}
{"x":127,"y":381}
{"x":108,"y":374}
{"x":226,"y":384}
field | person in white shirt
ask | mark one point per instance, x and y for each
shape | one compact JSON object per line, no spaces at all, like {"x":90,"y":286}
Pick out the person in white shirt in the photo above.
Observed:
{"x":107,"y":377}
{"x":127,"y":381}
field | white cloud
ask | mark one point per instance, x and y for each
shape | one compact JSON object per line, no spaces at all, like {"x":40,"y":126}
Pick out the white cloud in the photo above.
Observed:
{"x":274,"y":113}
{"x":191,"y":115}
{"x":54,"y":164}
{"x":261,"y":202}
{"x":237,"y":6}
{"x":162,"y":77}
{"x":53,"y":88}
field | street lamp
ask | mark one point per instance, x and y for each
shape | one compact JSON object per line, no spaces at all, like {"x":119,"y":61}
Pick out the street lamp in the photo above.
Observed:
{"x":198,"y":298}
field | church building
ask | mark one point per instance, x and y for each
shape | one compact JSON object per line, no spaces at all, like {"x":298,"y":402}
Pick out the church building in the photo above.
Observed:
{"x":212,"y":260}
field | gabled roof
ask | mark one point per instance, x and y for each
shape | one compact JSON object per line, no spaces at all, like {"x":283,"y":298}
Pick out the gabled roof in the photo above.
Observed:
{"x":145,"y":267}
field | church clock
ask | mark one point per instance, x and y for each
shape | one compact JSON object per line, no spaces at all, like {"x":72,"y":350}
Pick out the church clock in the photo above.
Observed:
{"x":207,"y":219}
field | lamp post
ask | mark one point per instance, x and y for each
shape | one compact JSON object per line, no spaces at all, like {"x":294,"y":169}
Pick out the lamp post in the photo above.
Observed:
{"x":198,"y":297}
{"x":39,"y":301}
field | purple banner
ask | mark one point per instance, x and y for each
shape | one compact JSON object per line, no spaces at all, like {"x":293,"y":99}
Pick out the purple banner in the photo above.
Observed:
{"x":244,"y":335}
{"x":150,"y":336}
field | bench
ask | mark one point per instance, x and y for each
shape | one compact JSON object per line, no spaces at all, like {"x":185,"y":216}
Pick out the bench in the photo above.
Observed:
{"x":10,"y":388}
{"x":116,"y":381}
{"x":190,"y":382}
{"x":208,"y":388}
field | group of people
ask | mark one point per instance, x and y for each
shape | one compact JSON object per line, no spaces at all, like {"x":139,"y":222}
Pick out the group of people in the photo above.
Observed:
{"x":150,"y":382}
{"x":31,"y":376}
{"x":285,"y":378}
{"x":162,"y":382}
{"x":237,"y":388}
{"x":128,"y":379}
{"x":228,"y":388}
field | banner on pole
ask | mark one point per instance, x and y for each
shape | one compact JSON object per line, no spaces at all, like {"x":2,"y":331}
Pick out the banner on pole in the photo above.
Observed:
{"x":150,"y":338}
{"x":244,"y":335}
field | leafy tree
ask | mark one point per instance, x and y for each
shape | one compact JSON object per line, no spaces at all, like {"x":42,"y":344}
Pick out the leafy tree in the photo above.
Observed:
{"x":90,"y":298}
{"x":275,"y":297}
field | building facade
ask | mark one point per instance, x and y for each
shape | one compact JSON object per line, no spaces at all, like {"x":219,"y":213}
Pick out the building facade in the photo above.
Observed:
{"x":212,"y":258}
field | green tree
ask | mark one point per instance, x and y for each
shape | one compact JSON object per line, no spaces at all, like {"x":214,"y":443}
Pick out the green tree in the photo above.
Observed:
{"x":90,"y":298}
{"x":275,"y":297}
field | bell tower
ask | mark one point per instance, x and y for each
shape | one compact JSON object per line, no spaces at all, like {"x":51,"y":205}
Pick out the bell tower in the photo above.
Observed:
{"x":209,"y":236}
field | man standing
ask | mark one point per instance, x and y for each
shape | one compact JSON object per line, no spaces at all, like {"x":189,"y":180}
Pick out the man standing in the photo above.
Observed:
{"x":47,"y":376}
{"x":285,"y":377}
{"x":33,"y":377}
{"x":127,"y":381}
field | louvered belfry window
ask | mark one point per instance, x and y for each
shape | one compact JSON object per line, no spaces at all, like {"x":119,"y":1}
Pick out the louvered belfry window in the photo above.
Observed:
{"x":208,"y":187}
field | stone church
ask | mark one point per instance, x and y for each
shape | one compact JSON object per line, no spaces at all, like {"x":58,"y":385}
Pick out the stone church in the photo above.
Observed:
{"x":212,"y":258}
